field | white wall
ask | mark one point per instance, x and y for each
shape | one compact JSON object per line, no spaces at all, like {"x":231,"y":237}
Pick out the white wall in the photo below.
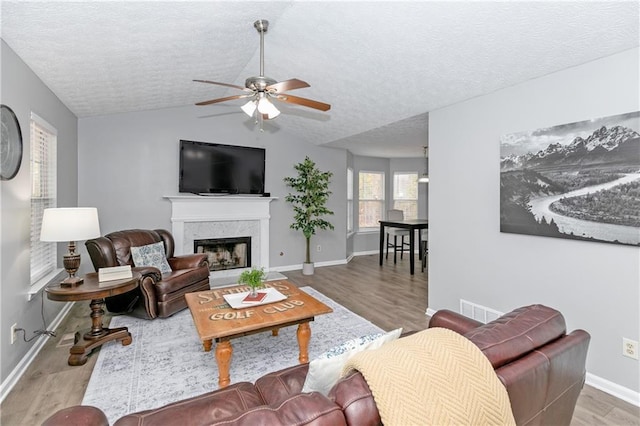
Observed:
{"x":24,"y":93}
{"x":595,"y":285}
{"x":129,"y":161}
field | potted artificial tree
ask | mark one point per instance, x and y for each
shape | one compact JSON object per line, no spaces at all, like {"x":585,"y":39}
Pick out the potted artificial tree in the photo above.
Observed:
{"x":311,"y":192}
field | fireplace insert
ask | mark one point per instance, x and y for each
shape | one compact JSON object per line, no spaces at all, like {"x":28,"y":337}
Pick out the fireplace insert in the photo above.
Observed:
{"x":225,"y":253}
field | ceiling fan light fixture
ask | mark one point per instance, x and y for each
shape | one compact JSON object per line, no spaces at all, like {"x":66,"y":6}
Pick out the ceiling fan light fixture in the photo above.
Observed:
{"x":249,"y":108}
{"x":273,"y":114}
{"x":266,"y":107}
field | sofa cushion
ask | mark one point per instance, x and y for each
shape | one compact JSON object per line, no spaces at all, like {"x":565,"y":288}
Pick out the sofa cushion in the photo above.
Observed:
{"x":325,"y":370}
{"x":517,"y":333}
{"x":151,"y":255}
{"x":312,"y":409}
{"x":202,"y":410}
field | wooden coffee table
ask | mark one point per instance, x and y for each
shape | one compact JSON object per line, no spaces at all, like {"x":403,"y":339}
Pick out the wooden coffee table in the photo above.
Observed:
{"x":216,"y":320}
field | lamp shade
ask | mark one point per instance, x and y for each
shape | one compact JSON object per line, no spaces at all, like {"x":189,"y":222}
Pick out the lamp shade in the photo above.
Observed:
{"x":267,"y":108}
{"x":70,"y":224}
{"x":249,"y":108}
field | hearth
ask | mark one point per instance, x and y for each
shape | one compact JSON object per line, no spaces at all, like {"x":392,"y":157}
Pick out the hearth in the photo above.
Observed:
{"x":225,"y":253}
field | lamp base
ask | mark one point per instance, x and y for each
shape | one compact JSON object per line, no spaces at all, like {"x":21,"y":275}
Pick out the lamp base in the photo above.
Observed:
{"x":71,"y":282}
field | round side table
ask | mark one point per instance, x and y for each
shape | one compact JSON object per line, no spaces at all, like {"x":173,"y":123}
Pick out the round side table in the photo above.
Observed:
{"x":95,"y":291}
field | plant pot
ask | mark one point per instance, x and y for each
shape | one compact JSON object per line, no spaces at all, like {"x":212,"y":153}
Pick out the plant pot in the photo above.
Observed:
{"x":307,"y":268}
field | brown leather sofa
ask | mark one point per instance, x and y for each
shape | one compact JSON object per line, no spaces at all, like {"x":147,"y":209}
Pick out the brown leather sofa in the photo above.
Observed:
{"x":158,"y":295}
{"x":542,"y":368}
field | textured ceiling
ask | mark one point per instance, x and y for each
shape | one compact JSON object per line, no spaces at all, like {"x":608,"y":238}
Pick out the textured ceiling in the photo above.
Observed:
{"x":381,"y":65}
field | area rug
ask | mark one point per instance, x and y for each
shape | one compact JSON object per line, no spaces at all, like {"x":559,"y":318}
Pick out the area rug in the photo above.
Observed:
{"x":166,"y":362}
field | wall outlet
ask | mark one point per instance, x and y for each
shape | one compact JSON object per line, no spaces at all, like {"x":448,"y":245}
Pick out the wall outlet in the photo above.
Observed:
{"x":13,"y":333}
{"x":629,"y":348}
{"x":318,"y":248}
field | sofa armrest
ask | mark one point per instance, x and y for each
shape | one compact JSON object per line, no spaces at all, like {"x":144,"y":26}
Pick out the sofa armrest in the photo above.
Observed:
{"x":188,"y":261}
{"x":353,"y":395}
{"x":78,"y":415}
{"x":453,"y":321}
{"x":148,"y":271}
{"x":517,"y":333}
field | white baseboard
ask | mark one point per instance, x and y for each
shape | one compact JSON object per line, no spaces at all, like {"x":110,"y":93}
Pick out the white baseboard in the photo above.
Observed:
{"x":316,"y":264}
{"x":24,"y":363}
{"x":366,"y":253}
{"x":614,"y":389}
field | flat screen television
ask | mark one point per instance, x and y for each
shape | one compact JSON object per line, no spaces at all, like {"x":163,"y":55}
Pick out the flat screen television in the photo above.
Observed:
{"x":211,"y":168}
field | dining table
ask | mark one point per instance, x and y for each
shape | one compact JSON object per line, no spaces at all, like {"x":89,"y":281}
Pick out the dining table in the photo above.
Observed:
{"x":412,"y":225}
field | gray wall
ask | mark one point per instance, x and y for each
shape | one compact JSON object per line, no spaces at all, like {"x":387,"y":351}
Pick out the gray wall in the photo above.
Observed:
{"x":595,"y":285}
{"x":129,"y":161}
{"x":24,"y":93}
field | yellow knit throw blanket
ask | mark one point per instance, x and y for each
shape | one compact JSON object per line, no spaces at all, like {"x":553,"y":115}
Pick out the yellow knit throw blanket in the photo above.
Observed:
{"x":434,"y":377}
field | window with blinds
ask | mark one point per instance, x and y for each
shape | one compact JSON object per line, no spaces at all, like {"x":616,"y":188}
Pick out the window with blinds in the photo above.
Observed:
{"x":349,"y":200}
{"x":405,"y":193}
{"x":43,"y":194}
{"x":370,"y":199}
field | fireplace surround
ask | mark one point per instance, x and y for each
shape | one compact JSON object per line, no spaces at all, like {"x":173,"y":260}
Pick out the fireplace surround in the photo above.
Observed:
{"x":208,"y":217}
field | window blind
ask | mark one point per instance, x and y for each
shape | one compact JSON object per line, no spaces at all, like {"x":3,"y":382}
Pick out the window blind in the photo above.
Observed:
{"x":43,"y":194}
{"x":405,"y":193}
{"x":370,"y":199}
{"x":349,"y":200}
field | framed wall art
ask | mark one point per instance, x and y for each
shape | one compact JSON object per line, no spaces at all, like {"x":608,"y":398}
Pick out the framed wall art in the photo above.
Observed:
{"x":577,"y":180}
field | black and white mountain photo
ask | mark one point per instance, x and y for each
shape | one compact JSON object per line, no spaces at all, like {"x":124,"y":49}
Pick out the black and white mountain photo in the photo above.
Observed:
{"x":578,"y":180}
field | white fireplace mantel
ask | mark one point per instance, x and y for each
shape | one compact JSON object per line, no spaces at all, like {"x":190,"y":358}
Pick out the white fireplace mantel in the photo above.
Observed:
{"x":186,"y":209}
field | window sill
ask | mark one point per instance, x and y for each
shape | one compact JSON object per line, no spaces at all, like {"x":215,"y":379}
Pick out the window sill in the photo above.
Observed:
{"x":43,"y":282}
{"x":368,"y":231}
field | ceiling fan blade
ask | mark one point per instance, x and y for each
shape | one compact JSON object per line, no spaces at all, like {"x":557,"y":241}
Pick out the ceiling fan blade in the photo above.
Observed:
{"x":223,"y":84}
{"x":303,"y":101}
{"x":286,"y":85}
{"x":228,"y":98}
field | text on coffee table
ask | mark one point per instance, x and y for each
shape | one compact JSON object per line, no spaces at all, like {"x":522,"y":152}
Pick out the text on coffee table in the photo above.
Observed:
{"x":244,"y":314}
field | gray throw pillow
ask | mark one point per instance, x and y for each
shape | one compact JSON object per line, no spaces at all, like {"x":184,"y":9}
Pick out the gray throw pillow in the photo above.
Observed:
{"x":151,"y":255}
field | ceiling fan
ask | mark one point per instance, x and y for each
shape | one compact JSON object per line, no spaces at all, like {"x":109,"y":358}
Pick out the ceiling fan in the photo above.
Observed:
{"x":261,"y":90}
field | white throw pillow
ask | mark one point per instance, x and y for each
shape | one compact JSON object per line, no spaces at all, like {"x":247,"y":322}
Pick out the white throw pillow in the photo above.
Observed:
{"x":324,"y":371}
{"x":151,"y":255}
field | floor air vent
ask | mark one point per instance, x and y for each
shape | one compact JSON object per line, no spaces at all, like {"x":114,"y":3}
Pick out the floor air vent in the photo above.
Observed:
{"x":478,"y":312}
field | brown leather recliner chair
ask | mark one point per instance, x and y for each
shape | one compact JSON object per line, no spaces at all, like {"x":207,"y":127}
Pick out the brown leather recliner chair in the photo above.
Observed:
{"x":158,"y":295}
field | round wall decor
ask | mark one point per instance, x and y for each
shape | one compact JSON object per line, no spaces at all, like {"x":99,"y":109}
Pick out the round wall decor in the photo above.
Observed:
{"x":10,"y":144}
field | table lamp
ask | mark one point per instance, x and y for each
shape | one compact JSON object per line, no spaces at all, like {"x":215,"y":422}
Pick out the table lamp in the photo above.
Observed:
{"x":70,"y":224}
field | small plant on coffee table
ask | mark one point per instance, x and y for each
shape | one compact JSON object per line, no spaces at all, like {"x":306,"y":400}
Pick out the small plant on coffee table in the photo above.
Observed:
{"x":252,"y":278}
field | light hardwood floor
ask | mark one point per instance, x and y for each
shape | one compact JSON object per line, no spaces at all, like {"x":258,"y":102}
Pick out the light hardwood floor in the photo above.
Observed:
{"x":388,"y":296}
